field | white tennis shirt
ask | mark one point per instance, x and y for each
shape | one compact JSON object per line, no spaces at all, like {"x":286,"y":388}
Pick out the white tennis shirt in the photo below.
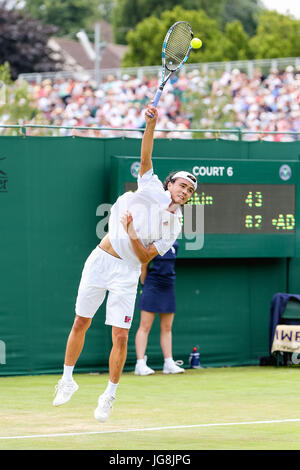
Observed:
{"x":152,"y":221}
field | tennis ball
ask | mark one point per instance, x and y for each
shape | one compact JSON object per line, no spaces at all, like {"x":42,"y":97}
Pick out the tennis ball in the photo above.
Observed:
{"x":196,"y":43}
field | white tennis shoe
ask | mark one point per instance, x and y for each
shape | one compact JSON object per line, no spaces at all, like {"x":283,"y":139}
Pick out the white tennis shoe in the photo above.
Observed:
{"x":172,"y":368}
{"x":105,"y":406}
{"x":64,"y":390}
{"x":141,"y":368}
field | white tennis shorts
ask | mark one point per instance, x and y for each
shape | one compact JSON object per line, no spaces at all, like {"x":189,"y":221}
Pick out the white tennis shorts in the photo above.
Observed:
{"x":103,"y":273}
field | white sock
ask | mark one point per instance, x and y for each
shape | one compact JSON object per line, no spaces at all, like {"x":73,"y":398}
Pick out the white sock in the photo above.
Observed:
{"x":111,"y":389}
{"x":168,"y":360}
{"x":68,"y":373}
{"x":141,"y":361}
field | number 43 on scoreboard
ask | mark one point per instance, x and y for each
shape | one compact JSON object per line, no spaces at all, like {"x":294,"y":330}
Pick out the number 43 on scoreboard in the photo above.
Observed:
{"x":254,"y":199}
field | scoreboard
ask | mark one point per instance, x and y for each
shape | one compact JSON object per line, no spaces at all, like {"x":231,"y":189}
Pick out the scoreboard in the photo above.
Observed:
{"x":249,"y":206}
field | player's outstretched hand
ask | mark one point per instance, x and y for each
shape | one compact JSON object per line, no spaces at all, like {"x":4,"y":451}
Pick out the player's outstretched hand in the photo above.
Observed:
{"x":151,"y":115}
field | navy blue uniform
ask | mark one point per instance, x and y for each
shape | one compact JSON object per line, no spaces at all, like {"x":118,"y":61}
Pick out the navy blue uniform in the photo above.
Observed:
{"x":158,"y":294}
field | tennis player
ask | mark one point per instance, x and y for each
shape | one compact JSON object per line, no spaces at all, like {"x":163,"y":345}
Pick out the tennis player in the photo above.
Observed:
{"x":141,"y":225}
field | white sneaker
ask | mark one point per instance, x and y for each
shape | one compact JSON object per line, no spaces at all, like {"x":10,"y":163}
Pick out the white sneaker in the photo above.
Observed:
{"x":172,"y":368}
{"x":64,"y":390}
{"x":105,"y":405}
{"x":141,"y":368}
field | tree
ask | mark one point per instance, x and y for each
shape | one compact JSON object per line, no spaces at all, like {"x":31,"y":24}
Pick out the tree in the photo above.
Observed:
{"x":128,"y":13}
{"x":245,"y":11}
{"x":70,"y":16}
{"x":18,"y":106}
{"x":277,"y":36}
{"x":146,"y":40}
{"x":23,"y":43}
{"x":236,"y":45}
{"x":106,"y":8}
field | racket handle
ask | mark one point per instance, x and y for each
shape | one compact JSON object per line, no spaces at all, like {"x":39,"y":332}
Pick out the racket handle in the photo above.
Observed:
{"x":157,"y":98}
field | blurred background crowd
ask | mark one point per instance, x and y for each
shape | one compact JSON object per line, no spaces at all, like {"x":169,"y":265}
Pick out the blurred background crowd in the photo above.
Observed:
{"x":245,"y":79}
{"x":269,"y":102}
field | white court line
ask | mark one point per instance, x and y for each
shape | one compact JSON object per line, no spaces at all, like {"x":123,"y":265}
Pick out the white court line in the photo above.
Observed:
{"x":163,"y":428}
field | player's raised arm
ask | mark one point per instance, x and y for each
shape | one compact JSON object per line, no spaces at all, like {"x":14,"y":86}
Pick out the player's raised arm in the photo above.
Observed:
{"x":147,"y":142}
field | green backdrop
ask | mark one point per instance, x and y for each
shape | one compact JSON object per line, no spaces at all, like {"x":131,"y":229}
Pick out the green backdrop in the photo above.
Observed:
{"x":50,"y":189}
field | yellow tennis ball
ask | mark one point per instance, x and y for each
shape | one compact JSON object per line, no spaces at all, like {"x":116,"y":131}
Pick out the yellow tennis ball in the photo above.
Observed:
{"x":196,"y":43}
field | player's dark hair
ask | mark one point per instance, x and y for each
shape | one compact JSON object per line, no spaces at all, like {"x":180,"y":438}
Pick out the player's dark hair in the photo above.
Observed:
{"x":169,"y":179}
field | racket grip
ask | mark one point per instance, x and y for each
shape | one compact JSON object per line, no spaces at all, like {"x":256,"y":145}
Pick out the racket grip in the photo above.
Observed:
{"x":157,"y":98}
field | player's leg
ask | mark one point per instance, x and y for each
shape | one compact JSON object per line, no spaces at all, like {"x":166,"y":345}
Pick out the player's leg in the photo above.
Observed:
{"x":88,"y":301}
{"x":90,"y":296}
{"x":117,"y":360}
{"x":76,"y":340}
{"x":141,"y":340}
{"x":119,"y":314}
{"x":118,"y":353}
{"x":166,"y":322}
{"x":67,"y":385}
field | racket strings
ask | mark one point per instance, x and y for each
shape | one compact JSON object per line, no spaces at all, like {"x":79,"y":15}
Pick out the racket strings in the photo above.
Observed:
{"x":177,"y":45}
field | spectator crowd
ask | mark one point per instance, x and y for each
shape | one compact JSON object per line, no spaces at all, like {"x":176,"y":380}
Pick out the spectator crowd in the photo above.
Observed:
{"x":191,"y":100}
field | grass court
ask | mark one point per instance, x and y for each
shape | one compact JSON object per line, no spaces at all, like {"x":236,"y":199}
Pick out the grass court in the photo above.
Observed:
{"x":239,"y":408}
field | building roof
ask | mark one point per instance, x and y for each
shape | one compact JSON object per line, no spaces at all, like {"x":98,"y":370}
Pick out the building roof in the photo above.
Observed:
{"x":75,"y":57}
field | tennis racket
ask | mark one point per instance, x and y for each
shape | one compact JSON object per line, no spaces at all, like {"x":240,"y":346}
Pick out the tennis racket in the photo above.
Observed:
{"x":175,"y":52}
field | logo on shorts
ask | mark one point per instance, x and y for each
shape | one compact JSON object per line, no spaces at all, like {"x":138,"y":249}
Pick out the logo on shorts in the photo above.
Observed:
{"x":127,"y":319}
